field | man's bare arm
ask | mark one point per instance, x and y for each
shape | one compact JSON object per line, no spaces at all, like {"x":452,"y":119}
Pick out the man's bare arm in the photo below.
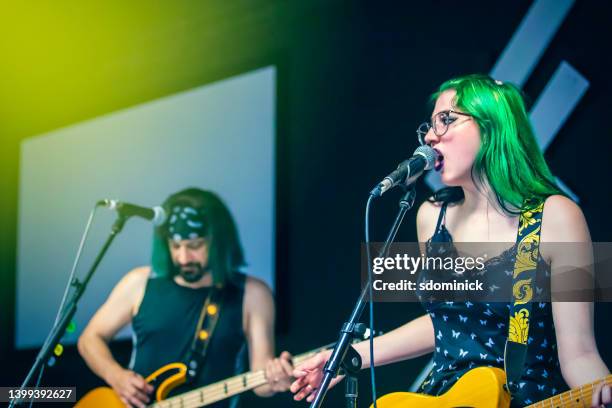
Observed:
{"x":112,"y":316}
{"x":259,"y":329}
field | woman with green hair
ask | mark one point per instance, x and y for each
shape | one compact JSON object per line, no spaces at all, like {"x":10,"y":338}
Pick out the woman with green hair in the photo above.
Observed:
{"x":499,"y":188}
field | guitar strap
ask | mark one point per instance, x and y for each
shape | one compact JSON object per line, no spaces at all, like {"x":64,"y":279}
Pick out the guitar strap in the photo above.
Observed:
{"x":204,"y":332}
{"x":523,"y":278}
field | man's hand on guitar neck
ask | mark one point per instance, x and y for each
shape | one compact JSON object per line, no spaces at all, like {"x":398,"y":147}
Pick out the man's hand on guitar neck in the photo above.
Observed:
{"x":602,"y":396}
{"x":279,"y":373}
{"x":132,"y":389}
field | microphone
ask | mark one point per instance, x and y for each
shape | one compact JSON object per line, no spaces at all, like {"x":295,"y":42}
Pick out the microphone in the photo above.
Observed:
{"x":156,"y":214}
{"x":408,"y":171}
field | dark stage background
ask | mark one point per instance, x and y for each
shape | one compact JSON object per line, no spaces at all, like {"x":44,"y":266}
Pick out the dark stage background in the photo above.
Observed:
{"x":353,"y":83}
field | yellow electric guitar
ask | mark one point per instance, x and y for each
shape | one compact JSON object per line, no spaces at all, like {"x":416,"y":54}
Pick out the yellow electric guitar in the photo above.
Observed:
{"x":173,"y":375}
{"x":483,"y":387}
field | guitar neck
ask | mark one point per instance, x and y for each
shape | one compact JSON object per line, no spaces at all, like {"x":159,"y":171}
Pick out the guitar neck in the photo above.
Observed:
{"x":580,"y":396}
{"x":224,"y":389}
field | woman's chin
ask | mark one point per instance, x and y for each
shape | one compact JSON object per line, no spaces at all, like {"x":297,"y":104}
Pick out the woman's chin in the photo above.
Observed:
{"x":447,"y":177}
{"x":450,"y":179}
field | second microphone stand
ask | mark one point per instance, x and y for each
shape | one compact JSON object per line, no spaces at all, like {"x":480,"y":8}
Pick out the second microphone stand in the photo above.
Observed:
{"x":348,"y":330}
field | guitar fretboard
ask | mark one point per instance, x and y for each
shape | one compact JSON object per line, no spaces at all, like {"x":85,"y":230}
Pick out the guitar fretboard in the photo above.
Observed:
{"x":577,"y":397}
{"x":223,"y":389}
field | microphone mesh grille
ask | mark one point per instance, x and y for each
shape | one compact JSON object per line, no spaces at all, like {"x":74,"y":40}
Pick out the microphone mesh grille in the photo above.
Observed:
{"x":428,"y":153}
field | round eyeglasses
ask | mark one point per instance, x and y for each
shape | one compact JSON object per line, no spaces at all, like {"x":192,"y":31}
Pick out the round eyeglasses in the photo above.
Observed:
{"x":439,"y":124}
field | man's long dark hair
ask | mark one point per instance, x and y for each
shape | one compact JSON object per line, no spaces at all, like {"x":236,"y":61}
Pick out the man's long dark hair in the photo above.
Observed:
{"x":225,"y":255}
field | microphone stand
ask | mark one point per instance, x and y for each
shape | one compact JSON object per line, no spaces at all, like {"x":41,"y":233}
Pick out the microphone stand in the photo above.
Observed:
{"x":58,"y":329}
{"x":343,"y":348}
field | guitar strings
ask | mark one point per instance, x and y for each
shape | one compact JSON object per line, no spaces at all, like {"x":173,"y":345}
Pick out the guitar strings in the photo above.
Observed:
{"x":218,"y":389}
{"x":581,"y":391}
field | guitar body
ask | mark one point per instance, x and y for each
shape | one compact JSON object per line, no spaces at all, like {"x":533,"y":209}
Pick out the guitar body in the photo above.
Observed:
{"x":481,"y":387}
{"x":100,"y":398}
{"x":164,"y":380}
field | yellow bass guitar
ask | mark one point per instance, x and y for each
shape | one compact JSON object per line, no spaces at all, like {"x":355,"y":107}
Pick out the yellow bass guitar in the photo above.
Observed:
{"x":173,"y":375}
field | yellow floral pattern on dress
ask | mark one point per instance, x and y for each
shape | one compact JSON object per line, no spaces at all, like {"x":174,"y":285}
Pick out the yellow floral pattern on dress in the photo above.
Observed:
{"x":519,"y":327}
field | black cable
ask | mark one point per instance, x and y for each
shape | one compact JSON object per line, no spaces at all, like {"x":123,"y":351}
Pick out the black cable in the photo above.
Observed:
{"x":369,"y":258}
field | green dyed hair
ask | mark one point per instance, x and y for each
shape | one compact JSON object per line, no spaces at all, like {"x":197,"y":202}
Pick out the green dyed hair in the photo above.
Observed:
{"x":225,"y":255}
{"x":510,"y":159}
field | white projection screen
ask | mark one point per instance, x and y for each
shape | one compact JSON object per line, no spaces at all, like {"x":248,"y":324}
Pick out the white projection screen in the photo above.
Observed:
{"x":218,"y":137}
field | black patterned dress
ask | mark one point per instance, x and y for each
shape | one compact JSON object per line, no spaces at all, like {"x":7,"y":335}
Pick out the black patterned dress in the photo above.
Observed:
{"x":469,"y":335}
